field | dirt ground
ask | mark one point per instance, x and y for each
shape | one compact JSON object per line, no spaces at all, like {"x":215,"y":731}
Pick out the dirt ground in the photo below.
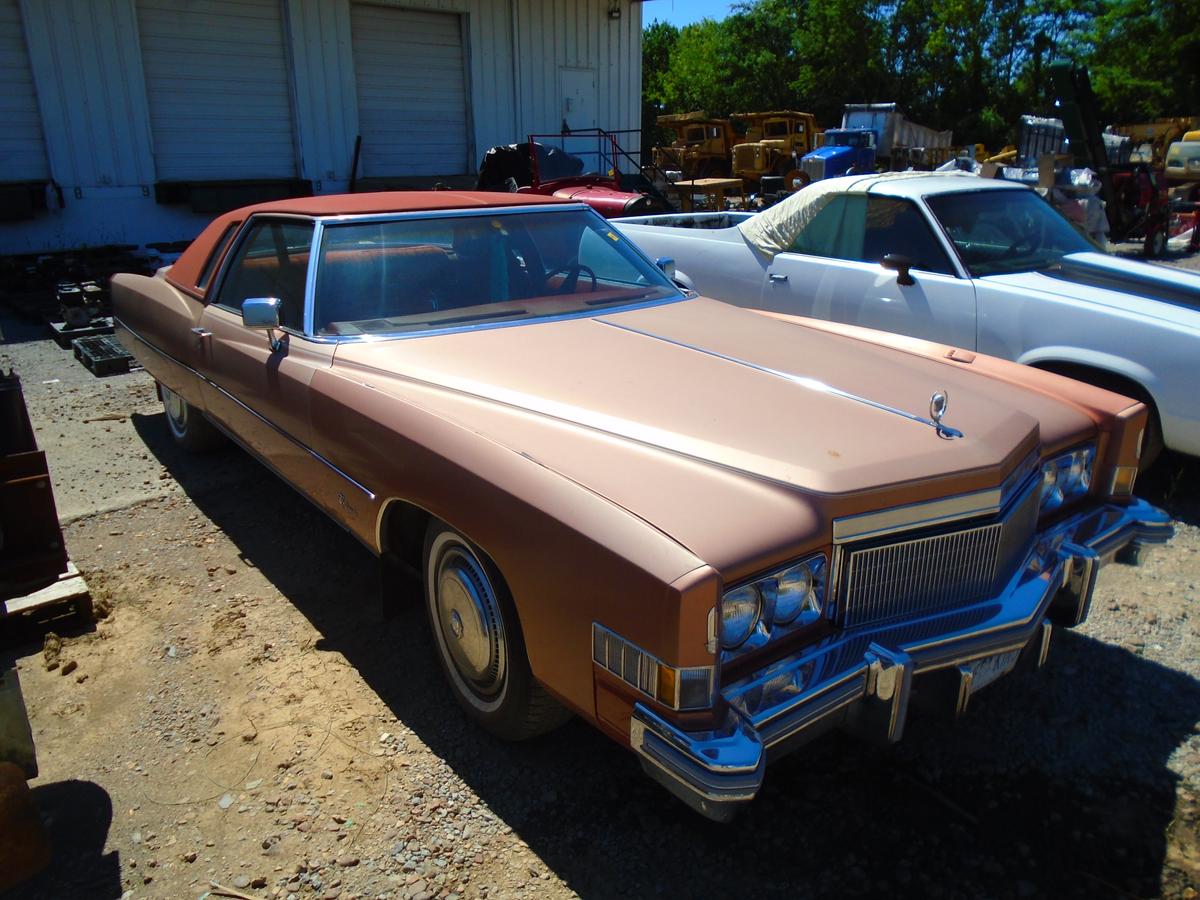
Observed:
{"x":247,"y":716}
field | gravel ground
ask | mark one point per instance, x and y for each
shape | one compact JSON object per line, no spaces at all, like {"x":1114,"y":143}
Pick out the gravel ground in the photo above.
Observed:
{"x":245,"y":715}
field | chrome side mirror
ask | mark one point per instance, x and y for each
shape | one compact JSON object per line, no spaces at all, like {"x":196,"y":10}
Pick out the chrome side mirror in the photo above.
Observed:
{"x":667,"y":264}
{"x":263,"y":313}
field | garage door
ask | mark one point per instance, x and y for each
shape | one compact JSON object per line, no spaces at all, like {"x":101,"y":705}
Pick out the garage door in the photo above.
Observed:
{"x":217,"y":83}
{"x":412,"y":97}
{"x":22,"y":150}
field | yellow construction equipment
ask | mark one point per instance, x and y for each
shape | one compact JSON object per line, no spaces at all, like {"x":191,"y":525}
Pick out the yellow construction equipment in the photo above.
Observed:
{"x":701,"y":146}
{"x":774,"y":143}
{"x":1151,"y":139}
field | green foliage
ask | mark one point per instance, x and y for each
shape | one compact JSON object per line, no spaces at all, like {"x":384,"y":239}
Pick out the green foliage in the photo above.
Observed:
{"x":971,"y":65}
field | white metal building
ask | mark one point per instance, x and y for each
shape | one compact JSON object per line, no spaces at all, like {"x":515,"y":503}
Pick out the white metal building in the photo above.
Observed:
{"x":132,"y":121}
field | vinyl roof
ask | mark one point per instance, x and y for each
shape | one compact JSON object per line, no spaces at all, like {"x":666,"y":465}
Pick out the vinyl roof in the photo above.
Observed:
{"x":185,"y":274}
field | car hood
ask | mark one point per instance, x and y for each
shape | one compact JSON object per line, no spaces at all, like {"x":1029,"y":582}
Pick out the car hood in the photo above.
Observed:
{"x":699,"y":392}
{"x":1115,"y":282}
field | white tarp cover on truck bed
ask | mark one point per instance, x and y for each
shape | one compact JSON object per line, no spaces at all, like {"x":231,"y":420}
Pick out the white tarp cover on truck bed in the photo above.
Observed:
{"x":774,"y":230}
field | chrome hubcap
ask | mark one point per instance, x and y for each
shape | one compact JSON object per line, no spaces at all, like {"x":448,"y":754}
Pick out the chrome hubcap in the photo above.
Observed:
{"x":469,"y":616}
{"x":176,"y":409}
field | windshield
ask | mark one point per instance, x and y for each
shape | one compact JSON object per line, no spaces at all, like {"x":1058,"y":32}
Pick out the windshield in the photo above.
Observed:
{"x":413,"y":275}
{"x":997,"y":232}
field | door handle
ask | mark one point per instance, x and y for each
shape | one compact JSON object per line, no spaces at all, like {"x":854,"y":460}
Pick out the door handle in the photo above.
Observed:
{"x":777,"y":278}
{"x":201,"y":333}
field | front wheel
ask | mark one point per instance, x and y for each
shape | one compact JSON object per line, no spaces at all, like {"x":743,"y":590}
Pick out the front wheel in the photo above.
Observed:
{"x":187,"y":425}
{"x":479,"y":642}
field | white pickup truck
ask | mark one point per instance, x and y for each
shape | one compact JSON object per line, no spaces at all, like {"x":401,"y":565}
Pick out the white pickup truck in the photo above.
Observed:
{"x":969,"y":262}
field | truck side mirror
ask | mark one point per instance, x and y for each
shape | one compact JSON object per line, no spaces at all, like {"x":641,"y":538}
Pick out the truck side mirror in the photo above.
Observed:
{"x":900,"y":264}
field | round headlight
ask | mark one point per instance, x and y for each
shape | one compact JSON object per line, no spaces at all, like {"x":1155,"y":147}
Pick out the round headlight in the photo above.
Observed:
{"x":794,"y":595}
{"x":1049,"y":478}
{"x":1081,"y":469}
{"x":739,"y":614}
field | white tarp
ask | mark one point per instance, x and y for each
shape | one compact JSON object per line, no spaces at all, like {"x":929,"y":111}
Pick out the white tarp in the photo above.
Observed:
{"x":775,"y":228}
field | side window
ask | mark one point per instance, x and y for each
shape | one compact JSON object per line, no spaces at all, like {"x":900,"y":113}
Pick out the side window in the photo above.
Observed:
{"x":272,"y":261}
{"x":836,"y":231}
{"x":897,"y":226}
{"x":206,"y":273}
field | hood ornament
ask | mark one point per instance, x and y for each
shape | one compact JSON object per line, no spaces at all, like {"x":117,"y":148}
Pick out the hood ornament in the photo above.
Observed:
{"x":938,"y":404}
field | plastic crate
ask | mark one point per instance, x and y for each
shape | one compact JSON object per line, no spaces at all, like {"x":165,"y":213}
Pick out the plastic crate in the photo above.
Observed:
{"x":103,"y":354}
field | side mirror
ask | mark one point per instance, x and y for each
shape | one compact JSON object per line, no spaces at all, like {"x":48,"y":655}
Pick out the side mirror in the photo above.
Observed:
{"x":900,"y":264}
{"x":667,"y":264}
{"x":262,"y":313}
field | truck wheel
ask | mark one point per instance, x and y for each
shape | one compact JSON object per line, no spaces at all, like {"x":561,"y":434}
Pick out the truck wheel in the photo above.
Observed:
{"x":1155,"y":246}
{"x":478,"y":640}
{"x":796,"y":180}
{"x":187,"y":425}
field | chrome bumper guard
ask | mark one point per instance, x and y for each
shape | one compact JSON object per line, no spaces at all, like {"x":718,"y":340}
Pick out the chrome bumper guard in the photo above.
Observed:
{"x":862,"y":680}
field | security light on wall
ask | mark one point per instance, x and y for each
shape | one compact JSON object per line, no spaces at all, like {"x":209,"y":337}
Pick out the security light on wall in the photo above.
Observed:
{"x":614,"y":9}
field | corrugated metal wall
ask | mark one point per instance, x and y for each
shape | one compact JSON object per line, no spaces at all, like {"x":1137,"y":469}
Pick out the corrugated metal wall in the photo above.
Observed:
{"x":91,"y":91}
{"x":557,"y":34}
{"x":219,"y":89}
{"x":22,"y":150}
{"x":410,"y":74}
{"x":511,"y":94}
{"x":95,"y":100}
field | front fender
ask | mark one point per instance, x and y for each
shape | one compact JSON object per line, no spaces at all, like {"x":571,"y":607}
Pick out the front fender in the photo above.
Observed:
{"x":570,"y":557}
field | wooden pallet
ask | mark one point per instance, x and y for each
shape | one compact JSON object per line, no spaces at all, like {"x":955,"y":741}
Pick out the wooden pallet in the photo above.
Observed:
{"x":63,"y":336}
{"x":103,"y":354}
{"x":69,"y":596}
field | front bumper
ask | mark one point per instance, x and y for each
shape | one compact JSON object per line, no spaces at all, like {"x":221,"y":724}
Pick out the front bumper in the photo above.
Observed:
{"x":862,"y":680}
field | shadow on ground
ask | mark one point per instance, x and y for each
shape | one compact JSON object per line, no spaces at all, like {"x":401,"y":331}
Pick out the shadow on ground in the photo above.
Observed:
{"x":1174,"y":484}
{"x":77,"y":815}
{"x":1054,"y":784}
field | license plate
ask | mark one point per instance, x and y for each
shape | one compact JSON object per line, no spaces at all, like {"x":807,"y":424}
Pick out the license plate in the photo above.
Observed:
{"x":985,"y":671}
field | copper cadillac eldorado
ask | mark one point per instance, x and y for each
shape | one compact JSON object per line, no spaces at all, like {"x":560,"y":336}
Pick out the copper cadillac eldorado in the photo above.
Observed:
{"x":712,"y":532}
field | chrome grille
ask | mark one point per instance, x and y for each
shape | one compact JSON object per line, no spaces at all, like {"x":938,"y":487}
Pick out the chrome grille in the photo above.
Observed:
{"x":937,"y":572}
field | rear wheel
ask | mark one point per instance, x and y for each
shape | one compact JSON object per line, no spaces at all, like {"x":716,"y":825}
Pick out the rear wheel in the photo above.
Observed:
{"x":479,"y":642}
{"x":187,"y":425}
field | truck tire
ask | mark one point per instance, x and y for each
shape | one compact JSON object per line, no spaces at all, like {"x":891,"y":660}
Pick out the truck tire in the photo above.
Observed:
{"x":1155,"y":246}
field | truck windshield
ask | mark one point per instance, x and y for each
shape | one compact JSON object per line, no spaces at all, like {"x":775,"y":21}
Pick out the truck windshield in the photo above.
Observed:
{"x":427,"y":274}
{"x":999,"y":232}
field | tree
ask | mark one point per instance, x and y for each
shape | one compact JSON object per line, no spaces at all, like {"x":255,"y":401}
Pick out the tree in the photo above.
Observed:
{"x":971,"y":65}
{"x":1144,"y":58}
{"x":658,"y":46}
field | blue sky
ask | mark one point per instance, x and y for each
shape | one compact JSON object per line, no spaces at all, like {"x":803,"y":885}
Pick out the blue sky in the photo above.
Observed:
{"x":684,"y":12}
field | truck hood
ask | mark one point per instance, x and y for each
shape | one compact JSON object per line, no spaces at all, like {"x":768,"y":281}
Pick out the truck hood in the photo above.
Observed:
{"x":1115,"y":282}
{"x":693,"y":411}
{"x":832,"y":151}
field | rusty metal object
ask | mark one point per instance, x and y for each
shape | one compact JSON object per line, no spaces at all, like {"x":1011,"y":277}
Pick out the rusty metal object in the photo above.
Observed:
{"x":32,"y":552}
{"x":24,"y":846}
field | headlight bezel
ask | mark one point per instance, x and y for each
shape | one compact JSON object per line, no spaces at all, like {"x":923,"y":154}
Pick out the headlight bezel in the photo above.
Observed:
{"x":750,"y":596}
{"x":772,"y":622}
{"x":1067,"y":477}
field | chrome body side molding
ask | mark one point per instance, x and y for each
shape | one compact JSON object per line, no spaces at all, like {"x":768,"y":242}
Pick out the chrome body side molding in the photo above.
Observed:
{"x":363,"y":489}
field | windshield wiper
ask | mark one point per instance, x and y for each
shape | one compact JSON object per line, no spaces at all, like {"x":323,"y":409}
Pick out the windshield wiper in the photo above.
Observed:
{"x":606,"y":300}
{"x":475,"y":318}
